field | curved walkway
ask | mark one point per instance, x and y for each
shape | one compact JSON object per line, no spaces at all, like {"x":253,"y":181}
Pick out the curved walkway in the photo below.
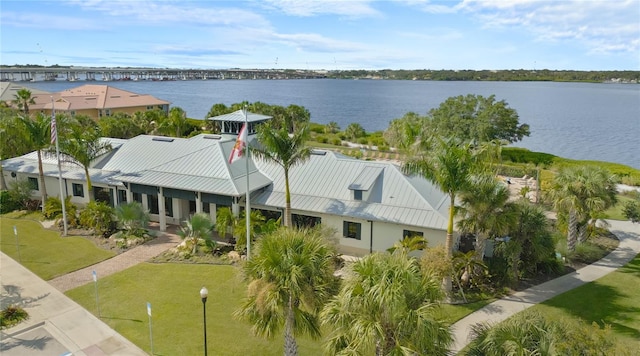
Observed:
{"x":629,"y":247}
{"x":138,"y":254}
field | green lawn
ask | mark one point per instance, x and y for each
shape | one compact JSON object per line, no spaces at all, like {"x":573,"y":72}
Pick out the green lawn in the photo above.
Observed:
{"x":44,"y":251}
{"x":615,"y":212}
{"x":173,"y":291}
{"x":613,"y":299}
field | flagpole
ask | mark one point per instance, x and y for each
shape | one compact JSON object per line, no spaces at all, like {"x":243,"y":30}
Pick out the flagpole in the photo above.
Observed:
{"x":62,"y":198}
{"x":247,"y":212}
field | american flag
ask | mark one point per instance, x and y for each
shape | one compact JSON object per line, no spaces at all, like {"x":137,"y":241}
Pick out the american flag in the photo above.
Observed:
{"x":54,"y":131}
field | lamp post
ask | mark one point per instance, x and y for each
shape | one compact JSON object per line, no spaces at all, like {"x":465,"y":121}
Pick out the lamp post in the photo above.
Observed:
{"x":203,"y":295}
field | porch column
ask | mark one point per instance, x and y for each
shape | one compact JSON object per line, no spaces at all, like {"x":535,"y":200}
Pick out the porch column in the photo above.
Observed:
{"x":212,"y":212}
{"x":198,"y":202}
{"x":161,"y":211}
{"x":129,"y":194}
{"x":235,"y":206}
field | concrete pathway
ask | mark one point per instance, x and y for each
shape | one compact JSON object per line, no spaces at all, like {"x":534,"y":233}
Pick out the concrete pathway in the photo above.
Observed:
{"x":57,"y":325}
{"x":138,"y":254}
{"x":627,"y":233}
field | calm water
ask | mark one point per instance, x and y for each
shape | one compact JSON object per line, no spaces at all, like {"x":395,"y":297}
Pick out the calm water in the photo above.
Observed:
{"x":573,"y":120}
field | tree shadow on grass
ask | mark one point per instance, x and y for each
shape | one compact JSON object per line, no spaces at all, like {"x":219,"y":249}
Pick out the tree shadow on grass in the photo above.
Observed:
{"x":603,"y":304}
{"x":123,"y":319}
{"x":632,"y":267}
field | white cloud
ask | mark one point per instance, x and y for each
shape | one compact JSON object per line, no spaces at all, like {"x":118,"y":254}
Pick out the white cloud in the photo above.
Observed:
{"x":592,"y":24}
{"x":349,"y":8}
{"x":49,"y":22}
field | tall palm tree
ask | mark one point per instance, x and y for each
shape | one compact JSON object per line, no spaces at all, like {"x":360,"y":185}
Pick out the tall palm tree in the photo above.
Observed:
{"x":286,"y":150}
{"x":197,"y":228}
{"x":529,"y":238}
{"x":84,"y":145}
{"x":580,"y":193}
{"x":23,"y":99}
{"x":290,"y":277}
{"x":485,"y":211}
{"x":39,"y":130}
{"x":13,"y":136}
{"x":386,"y":306}
{"x":175,"y":123}
{"x":450,"y":164}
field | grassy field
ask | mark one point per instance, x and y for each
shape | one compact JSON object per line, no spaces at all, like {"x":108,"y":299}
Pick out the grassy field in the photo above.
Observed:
{"x":613,"y":300}
{"x":173,"y":291}
{"x":44,"y":251}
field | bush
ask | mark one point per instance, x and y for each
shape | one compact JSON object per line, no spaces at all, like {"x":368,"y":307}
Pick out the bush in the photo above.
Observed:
{"x":631,"y":211}
{"x":317,"y":128}
{"x":53,"y":210}
{"x":20,"y":194}
{"x":322,"y":139}
{"x":586,"y":253}
{"x":363,"y":140}
{"x":12,"y":315}
{"x":336,"y":141}
{"x":7,"y":204}
{"x":521,"y":155}
{"x":98,"y":216}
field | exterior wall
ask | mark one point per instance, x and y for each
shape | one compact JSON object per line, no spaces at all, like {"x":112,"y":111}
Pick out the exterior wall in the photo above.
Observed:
{"x":385,"y":235}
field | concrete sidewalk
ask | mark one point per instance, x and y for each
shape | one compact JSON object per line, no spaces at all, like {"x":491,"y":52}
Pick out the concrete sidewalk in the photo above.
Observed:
{"x":627,"y":233}
{"x":57,"y":325}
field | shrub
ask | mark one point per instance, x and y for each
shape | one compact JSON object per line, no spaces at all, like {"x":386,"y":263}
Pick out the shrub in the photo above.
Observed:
{"x":521,"y":155}
{"x":336,"y":141}
{"x":586,"y":253}
{"x":53,"y":210}
{"x":6,"y":203}
{"x":631,"y":211}
{"x":133,"y":218}
{"x":20,"y":194}
{"x":98,"y":216}
{"x":363,"y":140}
{"x":11,"y":316}
{"x":322,"y":139}
{"x":317,"y":128}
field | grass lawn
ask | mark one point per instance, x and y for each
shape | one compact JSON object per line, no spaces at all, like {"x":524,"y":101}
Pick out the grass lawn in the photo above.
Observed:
{"x":615,"y":212}
{"x":613,"y":299}
{"x":45,"y":252}
{"x":173,"y":291}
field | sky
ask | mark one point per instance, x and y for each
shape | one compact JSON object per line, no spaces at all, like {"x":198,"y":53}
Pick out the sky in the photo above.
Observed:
{"x":324,"y":34}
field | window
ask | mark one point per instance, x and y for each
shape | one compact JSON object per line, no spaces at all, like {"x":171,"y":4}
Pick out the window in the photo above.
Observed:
{"x":78,"y":190}
{"x":206,"y":208}
{"x":107,"y":112}
{"x":34,"y":183}
{"x":137,"y":197}
{"x":168,"y":206}
{"x":357,"y":195}
{"x":351,"y":230}
{"x":152,"y":204}
{"x":409,"y":233}
{"x":305,"y":220}
{"x":149,"y":107}
{"x":122,"y":196}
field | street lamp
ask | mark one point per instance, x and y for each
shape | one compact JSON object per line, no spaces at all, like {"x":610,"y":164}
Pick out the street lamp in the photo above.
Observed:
{"x":203,"y":295}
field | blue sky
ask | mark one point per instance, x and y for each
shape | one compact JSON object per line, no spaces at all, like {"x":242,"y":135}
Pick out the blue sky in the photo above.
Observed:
{"x":332,"y":34}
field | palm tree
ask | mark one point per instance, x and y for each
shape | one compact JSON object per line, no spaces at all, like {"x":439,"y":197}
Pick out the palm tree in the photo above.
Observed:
{"x":485,"y":211}
{"x":83,"y":146}
{"x":580,"y":194}
{"x":409,"y":244}
{"x":529,"y":238}
{"x":39,"y":130}
{"x":354,"y":131}
{"x":386,"y":306}
{"x":449,"y":164}
{"x":290,"y":277}
{"x":132,"y":217}
{"x":197,"y":228}
{"x":528,"y":333}
{"x":175,"y":123}
{"x":331,"y":128}
{"x":23,"y":99}
{"x":286,"y":150}
{"x":13,"y":136}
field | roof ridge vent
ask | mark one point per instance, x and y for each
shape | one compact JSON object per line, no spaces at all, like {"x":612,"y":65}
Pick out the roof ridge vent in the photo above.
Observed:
{"x":163,"y":139}
{"x":212,"y":137}
{"x":319,"y":152}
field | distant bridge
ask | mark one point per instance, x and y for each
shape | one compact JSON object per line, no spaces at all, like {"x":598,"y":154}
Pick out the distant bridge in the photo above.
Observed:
{"x":31,"y":74}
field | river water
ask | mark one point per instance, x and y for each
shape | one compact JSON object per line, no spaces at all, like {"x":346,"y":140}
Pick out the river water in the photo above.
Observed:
{"x":572,"y":120}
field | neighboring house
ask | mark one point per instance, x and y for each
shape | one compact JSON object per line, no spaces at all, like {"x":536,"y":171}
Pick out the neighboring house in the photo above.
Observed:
{"x":8,"y":91}
{"x":92,"y":100}
{"x":370,"y":204}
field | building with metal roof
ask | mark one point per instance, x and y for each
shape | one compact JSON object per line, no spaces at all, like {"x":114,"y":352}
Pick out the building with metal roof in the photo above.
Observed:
{"x":370,"y":204}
